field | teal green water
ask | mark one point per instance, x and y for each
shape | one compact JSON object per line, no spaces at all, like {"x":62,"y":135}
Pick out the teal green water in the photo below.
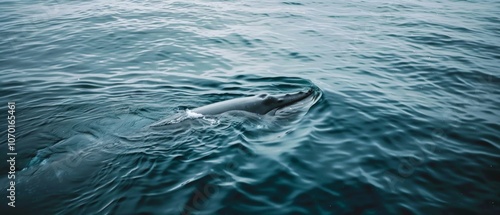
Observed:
{"x":404,"y":120}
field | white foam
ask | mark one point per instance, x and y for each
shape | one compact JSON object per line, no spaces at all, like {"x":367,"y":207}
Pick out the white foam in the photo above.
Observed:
{"x":192,"y":114}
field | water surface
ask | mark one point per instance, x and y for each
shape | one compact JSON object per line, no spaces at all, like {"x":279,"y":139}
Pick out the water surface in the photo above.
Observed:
{"x":405,"y":118}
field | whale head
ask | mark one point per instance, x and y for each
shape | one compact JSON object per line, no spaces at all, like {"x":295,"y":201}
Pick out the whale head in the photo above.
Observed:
{"x":271,"y":103}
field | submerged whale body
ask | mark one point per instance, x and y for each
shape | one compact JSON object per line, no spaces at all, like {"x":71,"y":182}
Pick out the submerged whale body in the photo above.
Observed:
{"x":259,"y":104}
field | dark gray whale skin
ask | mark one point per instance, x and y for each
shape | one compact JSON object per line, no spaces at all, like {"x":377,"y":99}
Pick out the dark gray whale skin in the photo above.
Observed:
{"x":259,"y":104}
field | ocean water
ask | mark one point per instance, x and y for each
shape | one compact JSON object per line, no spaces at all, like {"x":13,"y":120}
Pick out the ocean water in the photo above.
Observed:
{"x":404,"y":118}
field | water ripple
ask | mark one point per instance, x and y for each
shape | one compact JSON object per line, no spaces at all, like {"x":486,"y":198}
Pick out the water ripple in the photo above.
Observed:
{"x":404,"y":118}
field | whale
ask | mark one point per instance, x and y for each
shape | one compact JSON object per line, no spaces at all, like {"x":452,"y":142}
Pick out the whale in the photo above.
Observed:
{"x":261,"y":104}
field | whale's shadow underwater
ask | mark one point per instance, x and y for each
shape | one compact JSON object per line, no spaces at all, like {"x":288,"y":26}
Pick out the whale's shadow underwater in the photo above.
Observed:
{"x":57,"y":174}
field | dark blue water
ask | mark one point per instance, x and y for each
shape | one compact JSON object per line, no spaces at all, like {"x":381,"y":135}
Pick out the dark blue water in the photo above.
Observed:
{"x":404,"y":118}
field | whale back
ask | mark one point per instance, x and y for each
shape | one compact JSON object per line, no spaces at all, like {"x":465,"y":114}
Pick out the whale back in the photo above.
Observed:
{"x":259,"y":104}
{"x":254,"y":104}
